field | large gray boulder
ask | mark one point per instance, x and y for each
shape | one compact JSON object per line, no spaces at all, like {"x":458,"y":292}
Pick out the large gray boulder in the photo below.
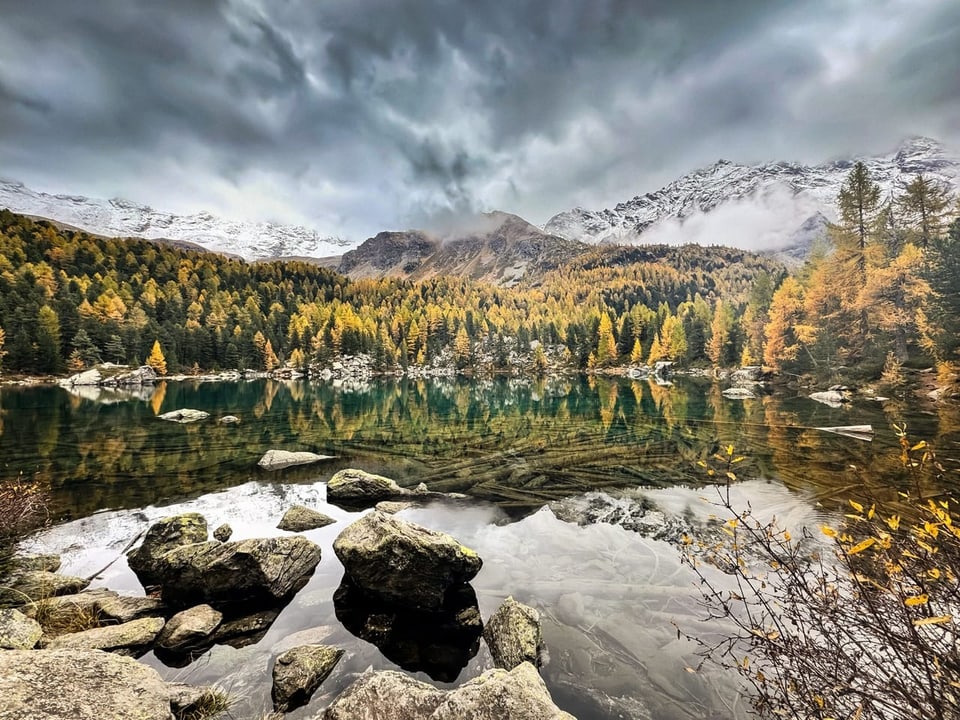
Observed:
{"x":189,"y":629}
{"x":143,"y":375}
{"x":17,"y":631}
{"x":402,"y":562}
{"x":244,"y":571}
{"x":514,"y":635}
{"x":298,"y":672}
{"x":79,"y":685}
{"x":300,"y":519}
{"x":162,"y":537}
{"x":85,"y":378}
{"x":833,"y":398}
{"x":519,"y":694}
{"x":358,"y":488}
{"x":386,"y":695}
{"x":279,"y":459}
{"x":132,"y":638}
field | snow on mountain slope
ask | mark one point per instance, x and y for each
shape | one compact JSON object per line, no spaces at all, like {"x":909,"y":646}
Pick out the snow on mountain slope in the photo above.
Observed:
{"x":758,"y":207}
{"x":120,"y":218}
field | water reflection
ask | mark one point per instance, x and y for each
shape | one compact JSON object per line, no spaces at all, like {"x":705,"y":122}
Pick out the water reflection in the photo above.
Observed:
{"x":518,"y":444}
{"x":438,"y":643}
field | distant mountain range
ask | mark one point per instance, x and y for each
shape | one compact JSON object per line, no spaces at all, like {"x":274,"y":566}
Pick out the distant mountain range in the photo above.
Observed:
{"x":778,"y":208}
{"x":768,"y":207}
{"x":121,"y":218}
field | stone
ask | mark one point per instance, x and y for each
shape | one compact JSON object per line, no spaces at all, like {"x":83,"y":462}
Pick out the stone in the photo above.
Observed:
{"x":514,"y":635}
{"x":162,"y":537}
{"x":358,"y":488}
{"x":245,"y":630}
{"x":385,"y":695}
{"x":244,"y":571}
{"x":132,"y":638}
{"x":223,"y":532}
{"x":298,"y":673}
{"x":48,"y":563}
{"x":79,"y":685}
{"x":833,"y":398}
{"x":392,"y":507}
{"x":738,"y":393}
{"x":143,"y":375}
{"x":24,"y":587}
{"x":403,"y":562}
{"x":300,"y":519}
{"x":99,"y":604}
{"x":229,"y":420}
{"x":279,"y":459}
{"x":17,"y":631}
{"x":186,"y":415}
{"x":189,"y":629}
{"x":87,"y":377}
{"x":124,"y":608}
{"x":519,"y":694}
{"x":747,"y":374}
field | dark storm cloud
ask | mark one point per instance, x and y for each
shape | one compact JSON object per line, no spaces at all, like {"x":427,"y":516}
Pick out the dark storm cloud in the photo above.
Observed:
{"x":356,"y":115}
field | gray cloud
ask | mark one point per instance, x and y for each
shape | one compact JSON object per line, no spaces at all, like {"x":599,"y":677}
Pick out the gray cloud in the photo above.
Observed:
{"x":359,"y":115}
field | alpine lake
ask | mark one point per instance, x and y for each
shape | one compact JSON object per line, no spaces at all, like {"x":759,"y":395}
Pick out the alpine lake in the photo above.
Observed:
{"x":579,"y":491}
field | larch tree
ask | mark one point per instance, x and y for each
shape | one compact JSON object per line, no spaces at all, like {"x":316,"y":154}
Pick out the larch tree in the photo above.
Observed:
{"x":720,"y":345}
{"x":782,"y":344}
{"x":606,"y":344}
{"x":156,"y":359}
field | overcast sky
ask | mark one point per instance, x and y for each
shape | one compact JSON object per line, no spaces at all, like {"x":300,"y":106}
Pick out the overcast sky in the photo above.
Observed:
{"x":354,"y":116}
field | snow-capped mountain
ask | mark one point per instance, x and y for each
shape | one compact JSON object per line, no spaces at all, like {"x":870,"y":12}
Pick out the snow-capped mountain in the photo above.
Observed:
{"x":760,"y":207}
{"x":120,"y":218}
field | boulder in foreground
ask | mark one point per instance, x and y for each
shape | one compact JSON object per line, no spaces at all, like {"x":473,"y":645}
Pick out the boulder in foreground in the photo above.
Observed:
{"x":298,"y":673}
{"x":161,"y":538}
{"x":358,"y":488}
{"x":514,"y":635}
{"x":132,"y":638}
{"x":244,"y":571}
{"x":519,"y":694}
{"x":402,"y":562}
{"x":17,"y":631}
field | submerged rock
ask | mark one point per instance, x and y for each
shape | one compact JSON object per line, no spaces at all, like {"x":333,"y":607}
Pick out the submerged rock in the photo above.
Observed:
{"x":404,"y":563}
{"x":244,"y":630}
{"x":514,"y":635}
{"x":244,"y":571}
{"x":223,"y":532}
{"x":833,"y":398}
{"x":229,"y":420}
{"x":279,"y":459}
{"x":184,"y":416}
{"x":519,"y":694}
{"x":80,"y":685}
{"x":48,"y":563}
{"x":132,"y":638}
{"x":439,"y":643}
{"x":162,"y":537}
{"x":738,"y":393}
{"x":300,"y":519}
{"x":17,"y":631}
{"x":298,"y":673}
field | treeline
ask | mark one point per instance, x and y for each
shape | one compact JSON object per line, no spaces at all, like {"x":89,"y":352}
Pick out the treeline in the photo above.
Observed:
{"x":883,"y":290}
{"x":69,"y":300}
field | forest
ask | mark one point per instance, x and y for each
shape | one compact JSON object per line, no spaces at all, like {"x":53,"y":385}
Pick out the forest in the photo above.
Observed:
{"x":881,"y":291}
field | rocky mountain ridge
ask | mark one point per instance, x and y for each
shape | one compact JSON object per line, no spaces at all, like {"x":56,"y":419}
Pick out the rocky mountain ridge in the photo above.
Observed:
{"x":796,"y":192}
{"x":122,"y":218}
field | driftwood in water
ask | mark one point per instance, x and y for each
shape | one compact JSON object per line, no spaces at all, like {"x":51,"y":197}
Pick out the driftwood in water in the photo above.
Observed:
{"x":857,"y":432}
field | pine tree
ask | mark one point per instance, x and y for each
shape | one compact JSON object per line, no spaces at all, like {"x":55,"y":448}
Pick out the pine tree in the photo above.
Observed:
{"x":114,"y":349}
{"x":156,"y":359}
{"x":3,"y":338}
{"x":924,"y":205}
{"x":48,"y":340}
{"x":88,"y":350}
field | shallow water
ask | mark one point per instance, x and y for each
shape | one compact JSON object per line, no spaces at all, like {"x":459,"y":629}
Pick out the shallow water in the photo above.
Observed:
{"x":537,"y":458}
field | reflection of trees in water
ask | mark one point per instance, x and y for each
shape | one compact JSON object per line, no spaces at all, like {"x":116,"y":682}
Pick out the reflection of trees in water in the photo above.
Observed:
{"x":515,"y":443}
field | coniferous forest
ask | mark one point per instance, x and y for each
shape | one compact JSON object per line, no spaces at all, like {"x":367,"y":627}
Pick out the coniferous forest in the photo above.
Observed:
{"x":882,"y":290}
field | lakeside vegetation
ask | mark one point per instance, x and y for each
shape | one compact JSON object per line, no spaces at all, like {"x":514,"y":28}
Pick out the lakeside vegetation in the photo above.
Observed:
{"x":882,"y":292}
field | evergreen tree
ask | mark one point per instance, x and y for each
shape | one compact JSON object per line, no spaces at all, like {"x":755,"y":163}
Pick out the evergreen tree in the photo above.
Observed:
{"x":48,"y":340}
{"x":858,"y":203}
{"x":85,"y":347}
{"x":156,"y":359}
{"x":114,"y":349}
{"x":3,"y":337}
{"x":940,"y":320}
{"x":924,"y":205}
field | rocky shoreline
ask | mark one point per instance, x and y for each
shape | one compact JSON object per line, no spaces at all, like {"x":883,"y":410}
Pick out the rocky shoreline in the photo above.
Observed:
{"x":67,"y":651}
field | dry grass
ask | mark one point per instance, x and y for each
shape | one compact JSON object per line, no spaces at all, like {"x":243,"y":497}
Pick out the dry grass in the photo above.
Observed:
{"x":23,"y":508}
{"x":213,"y":703}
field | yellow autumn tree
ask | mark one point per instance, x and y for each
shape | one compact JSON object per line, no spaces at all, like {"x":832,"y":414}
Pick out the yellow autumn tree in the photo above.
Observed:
{"x":156,"y":360}
{"x":606,"y":345}
{"x":786,"y":312}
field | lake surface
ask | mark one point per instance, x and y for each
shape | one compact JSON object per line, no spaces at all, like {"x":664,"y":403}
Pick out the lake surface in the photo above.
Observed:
{"x":578,"y":486}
